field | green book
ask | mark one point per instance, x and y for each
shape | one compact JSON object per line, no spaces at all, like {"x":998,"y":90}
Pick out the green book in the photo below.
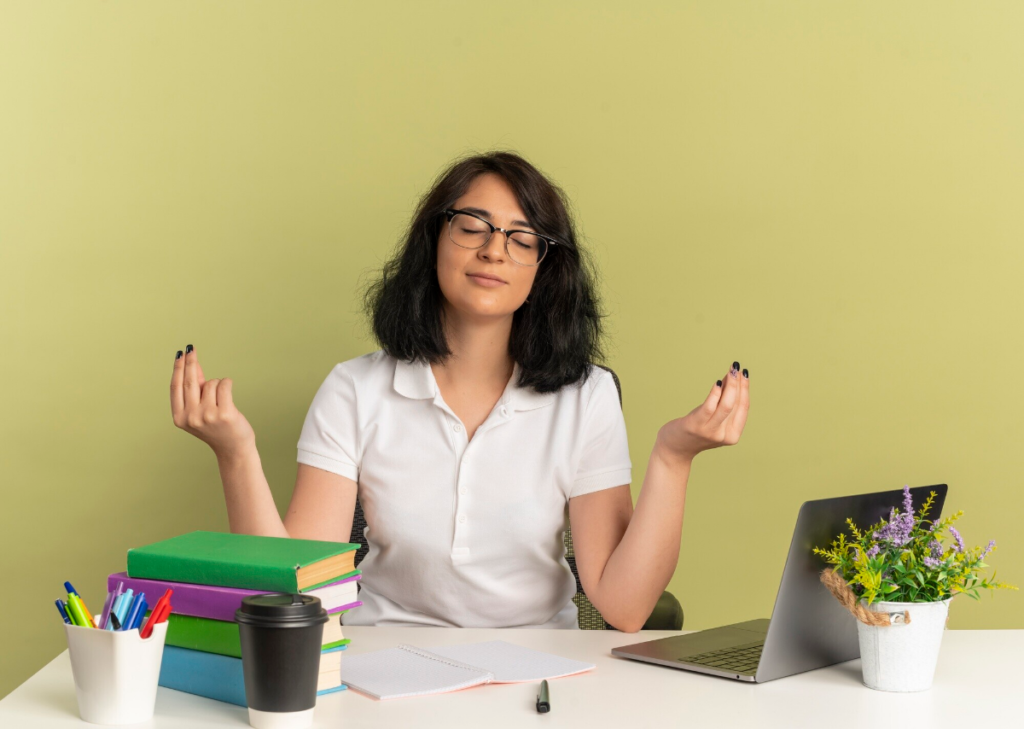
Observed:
{"x":273,"y":564}
{"x":220,"y":636}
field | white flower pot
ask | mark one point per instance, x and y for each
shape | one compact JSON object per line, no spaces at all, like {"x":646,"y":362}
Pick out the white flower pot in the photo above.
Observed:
{"x":902,"y":656}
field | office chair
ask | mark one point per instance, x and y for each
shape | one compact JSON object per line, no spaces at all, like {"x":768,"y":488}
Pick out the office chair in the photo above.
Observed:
{"x":667,"y":613}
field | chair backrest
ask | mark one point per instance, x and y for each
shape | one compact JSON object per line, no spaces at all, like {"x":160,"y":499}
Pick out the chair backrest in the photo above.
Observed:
{"x":588,"y":616}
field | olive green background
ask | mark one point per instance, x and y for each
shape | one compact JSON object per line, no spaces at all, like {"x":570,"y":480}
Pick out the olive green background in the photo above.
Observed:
{"x":828,"y":192}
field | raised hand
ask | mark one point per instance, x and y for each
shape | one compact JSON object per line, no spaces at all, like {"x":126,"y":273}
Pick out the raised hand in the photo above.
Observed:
{"x":205,"y":409}
{"x":718,"y":421}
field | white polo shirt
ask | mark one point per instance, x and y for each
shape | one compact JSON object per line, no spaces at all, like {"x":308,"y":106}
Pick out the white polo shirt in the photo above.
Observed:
{"x":464,"y":533}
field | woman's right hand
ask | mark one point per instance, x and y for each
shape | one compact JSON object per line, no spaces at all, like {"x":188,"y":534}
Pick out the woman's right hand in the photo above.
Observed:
{"x":205,"y":409}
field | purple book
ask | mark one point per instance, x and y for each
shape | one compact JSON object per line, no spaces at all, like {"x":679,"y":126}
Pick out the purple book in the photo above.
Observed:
{"x":220,"y":603}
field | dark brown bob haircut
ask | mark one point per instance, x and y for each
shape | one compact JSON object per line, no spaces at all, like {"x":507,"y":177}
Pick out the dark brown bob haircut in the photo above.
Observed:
{"x":555,"y":336}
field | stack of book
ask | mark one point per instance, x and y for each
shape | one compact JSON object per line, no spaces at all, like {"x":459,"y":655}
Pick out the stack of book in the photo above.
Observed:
{"x":210,"y":573}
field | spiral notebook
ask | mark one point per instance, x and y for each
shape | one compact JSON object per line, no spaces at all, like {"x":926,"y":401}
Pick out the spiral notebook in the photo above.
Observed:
{"x":395,"y":673}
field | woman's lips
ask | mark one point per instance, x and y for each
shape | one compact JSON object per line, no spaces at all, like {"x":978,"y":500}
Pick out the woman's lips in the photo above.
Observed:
{"x":488,"y":282}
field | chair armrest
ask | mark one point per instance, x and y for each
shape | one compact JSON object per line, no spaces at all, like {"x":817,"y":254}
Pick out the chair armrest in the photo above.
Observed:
{"x":667,"y":614}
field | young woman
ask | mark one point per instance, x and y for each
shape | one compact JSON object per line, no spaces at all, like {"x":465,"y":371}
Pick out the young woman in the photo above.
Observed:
{"x":478,"y":421}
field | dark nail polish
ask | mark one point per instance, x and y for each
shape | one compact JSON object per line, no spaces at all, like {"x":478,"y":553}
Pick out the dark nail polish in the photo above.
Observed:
{"x":188,"y":348}
{"x":719,"y":383}
{"x":746,"y":374}
{"x":178,"y":355}
{"x":736,"y":365}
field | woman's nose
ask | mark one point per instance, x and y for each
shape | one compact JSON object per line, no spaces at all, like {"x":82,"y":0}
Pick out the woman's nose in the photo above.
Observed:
{"x":495,"y":248}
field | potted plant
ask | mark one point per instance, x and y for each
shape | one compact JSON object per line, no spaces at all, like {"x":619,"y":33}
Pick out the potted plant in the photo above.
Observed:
{"x":898,"y":577}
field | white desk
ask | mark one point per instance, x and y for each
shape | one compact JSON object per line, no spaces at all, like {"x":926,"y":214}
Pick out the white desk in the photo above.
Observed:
{"x":979,"y":681}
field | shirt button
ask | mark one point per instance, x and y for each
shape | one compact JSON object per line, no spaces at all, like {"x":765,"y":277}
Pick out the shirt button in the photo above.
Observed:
{"x":462,"y":518}
{"x":504,"y":411}
{"x":457,"y":428}
{"x":462,"y":491}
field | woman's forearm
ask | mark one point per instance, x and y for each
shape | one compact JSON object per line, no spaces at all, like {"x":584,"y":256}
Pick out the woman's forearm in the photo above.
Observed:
{"x":641,"y":566}
{"x":250,"y":503}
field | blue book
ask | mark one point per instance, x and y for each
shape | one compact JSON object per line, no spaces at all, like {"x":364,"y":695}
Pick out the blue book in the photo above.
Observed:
{"x":212,"y":675}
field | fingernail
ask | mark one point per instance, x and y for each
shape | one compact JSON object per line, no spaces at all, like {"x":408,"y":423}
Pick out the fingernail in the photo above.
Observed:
{"x":745,"y":373}
{"x":188,"y":348}
{"x":719,"y":383}
{"x":178,"y":355}
{"x":736,"y":366}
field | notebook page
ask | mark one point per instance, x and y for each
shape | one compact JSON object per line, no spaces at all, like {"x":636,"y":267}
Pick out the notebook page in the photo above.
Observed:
{"x":395,"y":673}
{"x":512,"y":663}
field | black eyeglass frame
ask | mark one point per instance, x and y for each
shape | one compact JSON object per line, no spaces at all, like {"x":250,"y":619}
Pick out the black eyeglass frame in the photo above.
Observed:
{"x":450,"y":213}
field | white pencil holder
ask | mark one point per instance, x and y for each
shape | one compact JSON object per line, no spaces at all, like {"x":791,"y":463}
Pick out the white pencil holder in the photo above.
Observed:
{"x":116,"y":672}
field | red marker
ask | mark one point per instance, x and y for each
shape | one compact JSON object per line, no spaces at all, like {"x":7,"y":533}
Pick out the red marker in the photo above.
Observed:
{"x":159,"y":613}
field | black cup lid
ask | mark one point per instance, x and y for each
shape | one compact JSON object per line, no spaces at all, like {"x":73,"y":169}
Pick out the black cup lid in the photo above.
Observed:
{"x":280,"y":606}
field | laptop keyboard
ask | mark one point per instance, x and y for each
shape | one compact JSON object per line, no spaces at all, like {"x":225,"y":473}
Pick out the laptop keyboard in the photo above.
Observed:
{"x":739,"y":658}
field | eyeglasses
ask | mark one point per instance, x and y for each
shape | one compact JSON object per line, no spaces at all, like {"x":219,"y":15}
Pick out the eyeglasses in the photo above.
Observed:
{"x":524,"y":247}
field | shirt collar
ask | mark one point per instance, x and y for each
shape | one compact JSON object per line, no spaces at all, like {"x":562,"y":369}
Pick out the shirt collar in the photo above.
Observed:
{"x":416,"y":380}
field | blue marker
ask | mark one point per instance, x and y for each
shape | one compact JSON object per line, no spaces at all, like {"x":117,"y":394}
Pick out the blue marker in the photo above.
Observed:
{"x":122,"y":607}
{"x":71,"y":590}
{"x":133,"y":613}
{"x":113,"y":612}
{"x":140,"y":616}
{"x":127,"y":607}
{"x":63,"y":612}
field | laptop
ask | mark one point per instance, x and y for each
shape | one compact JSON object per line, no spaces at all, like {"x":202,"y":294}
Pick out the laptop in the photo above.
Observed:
{"x":809,"y":628}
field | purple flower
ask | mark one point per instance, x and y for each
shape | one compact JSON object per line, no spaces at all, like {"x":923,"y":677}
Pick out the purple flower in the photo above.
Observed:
{"x":989,"y":548}
{"x":908,"y":501}
{"x":873,"y":552}
{"x":897,"y":531}
{"x":959,"y":540}
{"x":936,"y":548}
{"x":931,"y":562}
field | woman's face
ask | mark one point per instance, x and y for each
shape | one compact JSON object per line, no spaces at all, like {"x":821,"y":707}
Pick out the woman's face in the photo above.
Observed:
{"x":485,"y":282}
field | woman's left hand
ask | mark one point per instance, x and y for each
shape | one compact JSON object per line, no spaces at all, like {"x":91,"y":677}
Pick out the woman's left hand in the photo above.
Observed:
{"x":718,"y":421}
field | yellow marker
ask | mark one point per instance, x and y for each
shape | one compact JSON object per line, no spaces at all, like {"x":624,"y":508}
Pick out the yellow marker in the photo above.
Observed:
{"x":85,"y":611}
{"x":70,"y":613}
{"x":76,"y":613}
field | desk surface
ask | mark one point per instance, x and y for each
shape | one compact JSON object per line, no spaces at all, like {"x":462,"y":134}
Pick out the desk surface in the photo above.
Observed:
{"x":979,"y":676}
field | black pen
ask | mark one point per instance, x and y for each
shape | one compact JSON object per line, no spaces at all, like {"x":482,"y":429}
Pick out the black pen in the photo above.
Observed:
{"x":543,"y":699}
